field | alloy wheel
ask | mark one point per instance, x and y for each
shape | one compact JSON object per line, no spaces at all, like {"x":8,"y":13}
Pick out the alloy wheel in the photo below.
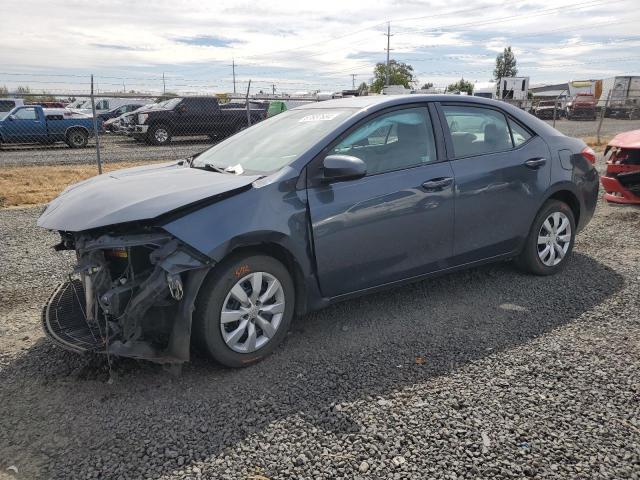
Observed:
{"x":252,"y":312}
{"x":161,"y":135}
{"x":554,"y":239}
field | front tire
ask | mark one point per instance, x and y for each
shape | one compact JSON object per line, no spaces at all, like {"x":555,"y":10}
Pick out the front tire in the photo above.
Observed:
{"x":550,"y":241}
{"x":244,"y":310}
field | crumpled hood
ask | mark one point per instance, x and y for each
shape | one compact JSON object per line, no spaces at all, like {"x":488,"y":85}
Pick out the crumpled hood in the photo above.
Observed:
{"x":139,"y":193}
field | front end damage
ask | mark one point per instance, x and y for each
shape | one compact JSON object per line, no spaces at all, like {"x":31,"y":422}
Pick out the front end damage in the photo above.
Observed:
{"x":621,"y":181}
{"x":129,"y":295}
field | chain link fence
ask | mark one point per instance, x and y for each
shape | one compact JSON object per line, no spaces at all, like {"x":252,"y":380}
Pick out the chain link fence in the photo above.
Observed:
{"x":131,"y":128}
{"x":79,"y":128}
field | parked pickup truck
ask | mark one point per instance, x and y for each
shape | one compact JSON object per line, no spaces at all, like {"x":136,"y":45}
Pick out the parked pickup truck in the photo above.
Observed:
{"x":583,"y":105}
{"x":34,"y":124}
{"x":193,"y":116}
{"x":548,"y":109}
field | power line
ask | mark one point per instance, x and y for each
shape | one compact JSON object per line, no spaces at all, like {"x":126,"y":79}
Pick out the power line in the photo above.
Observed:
{"x":543,"y":12}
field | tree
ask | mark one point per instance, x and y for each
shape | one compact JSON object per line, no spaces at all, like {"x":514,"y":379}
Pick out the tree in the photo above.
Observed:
{"x":461,"y":86}
{"x":505,"y":65}
{"x":400,"y":73}
{"x":363,"y":89}
{"x":4,"y":91}
{"x":426,"y":86}
{"x":26,"y":94}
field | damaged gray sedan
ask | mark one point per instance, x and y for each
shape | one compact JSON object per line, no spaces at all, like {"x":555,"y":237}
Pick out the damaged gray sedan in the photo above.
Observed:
{"x":313,"y":206}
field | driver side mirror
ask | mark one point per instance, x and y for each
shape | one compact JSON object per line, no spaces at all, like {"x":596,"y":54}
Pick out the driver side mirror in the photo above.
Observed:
{"x":343,"y":167}
{"x":11,"y":117}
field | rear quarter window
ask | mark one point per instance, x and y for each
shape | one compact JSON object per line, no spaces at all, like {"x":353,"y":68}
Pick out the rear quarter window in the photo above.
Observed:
{"x":520,"y":134}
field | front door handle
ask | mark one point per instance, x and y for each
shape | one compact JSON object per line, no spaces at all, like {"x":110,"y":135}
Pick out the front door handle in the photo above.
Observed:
{"x":535,"y":163}
{"x":436,"y":184}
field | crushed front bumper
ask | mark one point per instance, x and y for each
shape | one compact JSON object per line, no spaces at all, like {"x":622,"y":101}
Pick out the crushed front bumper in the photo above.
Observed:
{"x":621,"y":181}
{"x":616,"y":192}
{"x":130,"y":296}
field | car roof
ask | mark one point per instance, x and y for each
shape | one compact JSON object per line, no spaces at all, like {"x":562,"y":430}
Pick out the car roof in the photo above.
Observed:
{"x":368,"y":104}
{"x":391,"y":100}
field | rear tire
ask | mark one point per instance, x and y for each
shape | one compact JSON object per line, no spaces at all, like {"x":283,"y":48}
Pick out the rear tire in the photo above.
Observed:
{"x":550,"y":241}
{"x":159,"y":134}
{"x":254,"y":325}
{"x":77,"y":138}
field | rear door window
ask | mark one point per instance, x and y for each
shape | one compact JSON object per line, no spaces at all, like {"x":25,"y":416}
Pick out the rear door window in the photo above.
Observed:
{"x":477,"y":130}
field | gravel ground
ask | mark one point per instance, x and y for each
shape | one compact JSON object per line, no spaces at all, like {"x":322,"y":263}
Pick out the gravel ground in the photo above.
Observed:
{"x":116,"y":148}
{"x":487,"y":373}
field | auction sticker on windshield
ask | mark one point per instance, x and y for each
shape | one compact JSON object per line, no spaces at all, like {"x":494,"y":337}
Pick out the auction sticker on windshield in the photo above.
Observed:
{"x":319,"y":117}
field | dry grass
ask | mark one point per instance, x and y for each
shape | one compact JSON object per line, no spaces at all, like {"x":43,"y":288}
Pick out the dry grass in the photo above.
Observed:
{"x":35,"y":185}
{"x":593,"y":142}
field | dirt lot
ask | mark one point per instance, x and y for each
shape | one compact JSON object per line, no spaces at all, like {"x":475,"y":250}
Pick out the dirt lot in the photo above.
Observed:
{"x":488,"y":373}
{"x":39,"y":184}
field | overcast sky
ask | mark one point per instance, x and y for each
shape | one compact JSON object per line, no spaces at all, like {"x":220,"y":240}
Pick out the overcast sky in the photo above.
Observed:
{"x":55,"y":45}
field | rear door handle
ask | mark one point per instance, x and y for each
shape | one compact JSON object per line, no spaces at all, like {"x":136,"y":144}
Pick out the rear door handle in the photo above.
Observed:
{"x":535,"y":163}
{"x":436,"y":184}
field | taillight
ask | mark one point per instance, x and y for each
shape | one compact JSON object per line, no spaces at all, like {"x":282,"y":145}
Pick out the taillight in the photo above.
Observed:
{"x":589,"y":154}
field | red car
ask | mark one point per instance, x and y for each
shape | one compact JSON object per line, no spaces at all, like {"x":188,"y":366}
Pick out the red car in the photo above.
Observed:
{"x":622,"y":178}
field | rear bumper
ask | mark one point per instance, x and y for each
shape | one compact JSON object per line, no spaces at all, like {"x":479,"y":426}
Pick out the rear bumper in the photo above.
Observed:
{"x":615,"y":192}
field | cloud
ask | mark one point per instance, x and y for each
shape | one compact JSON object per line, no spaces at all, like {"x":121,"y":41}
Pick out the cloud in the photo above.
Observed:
{"x":115,"y":46}
{"x":307,"y":45}
{"x":207,"y":41}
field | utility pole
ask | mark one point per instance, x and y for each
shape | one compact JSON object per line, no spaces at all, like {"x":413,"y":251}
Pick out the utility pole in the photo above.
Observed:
{"x":164,"y":85}
{"x":353,"y":80}
{"x":233,"y":70}
{"x":246,"y":99}
{"x":95,"y":128}
{"x":273,"y":88}
{"x":388,"y":34}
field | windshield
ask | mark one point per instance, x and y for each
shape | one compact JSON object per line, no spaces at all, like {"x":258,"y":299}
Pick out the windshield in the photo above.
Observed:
{"x":168,"y":104}
{"x":270,"y":145}
{"x":77,"y":103}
